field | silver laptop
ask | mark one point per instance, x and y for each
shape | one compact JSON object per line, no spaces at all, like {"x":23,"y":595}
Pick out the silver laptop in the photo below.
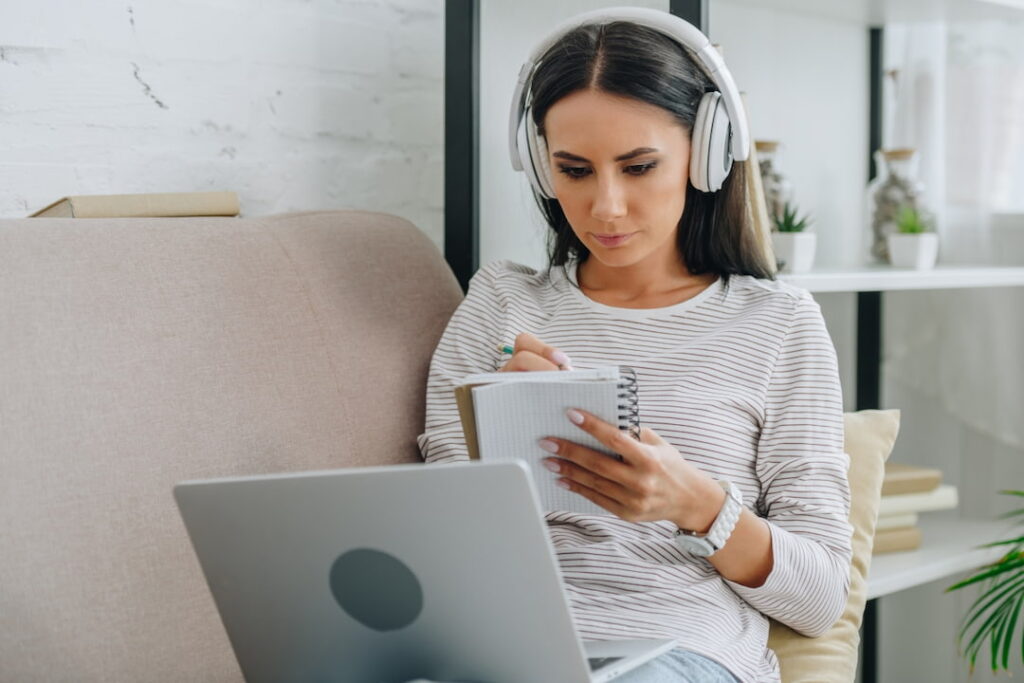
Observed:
{"x":390,"y":574}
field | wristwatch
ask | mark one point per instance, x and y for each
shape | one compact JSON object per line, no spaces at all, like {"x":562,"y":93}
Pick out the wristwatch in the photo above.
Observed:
{"x":706,"y":545}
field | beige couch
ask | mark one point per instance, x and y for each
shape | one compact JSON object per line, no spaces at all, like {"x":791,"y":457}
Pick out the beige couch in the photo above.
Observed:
{"x":135,"y":353}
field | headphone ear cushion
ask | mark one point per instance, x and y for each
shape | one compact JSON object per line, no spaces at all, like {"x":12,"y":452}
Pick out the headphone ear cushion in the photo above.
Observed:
{"x":538,"y":150}
{"x":710,"y":157}
{"x":719,"y":151}
{"x":523,"y":152}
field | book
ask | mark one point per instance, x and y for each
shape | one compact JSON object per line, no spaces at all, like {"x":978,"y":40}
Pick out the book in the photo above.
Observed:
{"x":893,"y":540}
{"x":505,"y":414}
{"x":909,"y":479}
{"x":896,"y":521}
{"x":943,"y":497}
{"x":168,"y":204}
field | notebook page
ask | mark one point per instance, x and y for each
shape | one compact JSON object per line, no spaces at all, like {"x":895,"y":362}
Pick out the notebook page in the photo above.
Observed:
{"x":512,"y":417}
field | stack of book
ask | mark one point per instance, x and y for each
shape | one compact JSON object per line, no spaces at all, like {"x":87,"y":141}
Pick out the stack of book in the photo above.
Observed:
{"x":162,"y":204}
{"x":907,"y":492}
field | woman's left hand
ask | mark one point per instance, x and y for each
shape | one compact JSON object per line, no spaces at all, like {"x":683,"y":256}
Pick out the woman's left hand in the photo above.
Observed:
{"x":652,"y":482}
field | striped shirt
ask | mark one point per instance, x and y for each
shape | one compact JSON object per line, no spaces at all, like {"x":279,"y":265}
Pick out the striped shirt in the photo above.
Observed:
{"x":742,"y":379}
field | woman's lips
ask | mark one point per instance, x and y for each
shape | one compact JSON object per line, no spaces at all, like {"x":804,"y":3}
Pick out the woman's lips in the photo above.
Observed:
{"x":612,"y":240}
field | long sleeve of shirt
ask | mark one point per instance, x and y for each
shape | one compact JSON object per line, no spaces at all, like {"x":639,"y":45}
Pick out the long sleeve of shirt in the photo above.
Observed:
{"x":802,"y":469}
{"x":468,"y":345}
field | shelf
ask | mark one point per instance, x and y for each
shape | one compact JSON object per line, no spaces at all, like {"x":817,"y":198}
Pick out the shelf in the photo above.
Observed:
{"x":881,"y":12}
{"x":949,"y":547}
{"x":883,"y":278}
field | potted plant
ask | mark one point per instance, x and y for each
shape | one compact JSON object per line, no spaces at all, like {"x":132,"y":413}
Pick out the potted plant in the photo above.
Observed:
{"x":794,"y":248}
{"x":912,"y":245}
{"x":994,"y":616}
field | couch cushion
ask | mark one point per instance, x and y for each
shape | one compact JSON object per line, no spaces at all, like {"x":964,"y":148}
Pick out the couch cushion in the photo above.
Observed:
{"x":832,"y":658}
{"x":135,"y":353}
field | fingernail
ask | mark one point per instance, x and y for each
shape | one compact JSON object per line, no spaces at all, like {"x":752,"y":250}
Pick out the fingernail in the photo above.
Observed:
{"x":553,"y":466}
{"x":548,"y":445}
{"x":561,"y":359}
{"x":561,"y":483}
{"x":575,"y":415}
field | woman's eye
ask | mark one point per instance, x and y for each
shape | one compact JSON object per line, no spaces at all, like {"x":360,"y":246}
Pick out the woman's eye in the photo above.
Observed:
{"x":640,"y":169}
{"x":579,"y":172}
{"x":574,"y":172}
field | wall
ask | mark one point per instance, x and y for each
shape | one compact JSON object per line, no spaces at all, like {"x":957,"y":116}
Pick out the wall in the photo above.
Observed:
{"x":293,"y":105}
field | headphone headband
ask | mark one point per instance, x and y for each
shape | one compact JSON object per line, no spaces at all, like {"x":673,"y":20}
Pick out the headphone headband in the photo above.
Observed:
{"x":674,"y":27}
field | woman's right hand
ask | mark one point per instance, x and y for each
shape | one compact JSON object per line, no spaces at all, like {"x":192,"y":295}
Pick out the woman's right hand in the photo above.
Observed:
{"x":531,"y":354}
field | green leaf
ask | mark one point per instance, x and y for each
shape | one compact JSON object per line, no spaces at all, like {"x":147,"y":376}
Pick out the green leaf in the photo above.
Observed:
{"x":997,"y":627}
{"x":996,"y":635}
{"x":1011,"y":541}
{"x":978,"y":639}
{"x":996,"y":613}
{"x":1008,"y":639}
{"x":1009,"y":562}
{"x":788,"y":221}
{"x":909,"y":220}
{"x":989,"y":598}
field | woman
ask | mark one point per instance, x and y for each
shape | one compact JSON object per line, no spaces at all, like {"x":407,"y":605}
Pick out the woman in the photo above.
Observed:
{"x":739,"y":388}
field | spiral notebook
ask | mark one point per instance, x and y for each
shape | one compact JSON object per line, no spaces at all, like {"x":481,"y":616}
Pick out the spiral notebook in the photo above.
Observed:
{"x":505,"y":414}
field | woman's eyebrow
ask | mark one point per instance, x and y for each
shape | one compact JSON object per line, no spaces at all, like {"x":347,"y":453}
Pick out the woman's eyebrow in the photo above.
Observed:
{"x":562,"y":154}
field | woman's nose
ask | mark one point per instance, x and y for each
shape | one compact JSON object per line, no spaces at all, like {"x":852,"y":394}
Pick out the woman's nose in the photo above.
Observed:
{"x":610,"y":201}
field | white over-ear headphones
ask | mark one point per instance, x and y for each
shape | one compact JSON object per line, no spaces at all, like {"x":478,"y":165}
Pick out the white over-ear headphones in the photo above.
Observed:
{"x":719,"y":134}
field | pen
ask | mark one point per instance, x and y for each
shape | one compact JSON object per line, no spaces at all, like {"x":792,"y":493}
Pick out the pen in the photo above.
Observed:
{"x":564,"y":365}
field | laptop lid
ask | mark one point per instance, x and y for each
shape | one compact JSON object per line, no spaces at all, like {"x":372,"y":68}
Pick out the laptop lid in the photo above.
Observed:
{"x":385,"y":574}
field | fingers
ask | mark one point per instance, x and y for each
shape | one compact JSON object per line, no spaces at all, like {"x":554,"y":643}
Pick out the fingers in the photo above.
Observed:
{"x":598,"y":471}
{"x":650,"y":437}
{"x":527,"y":342}
{"x":596,"y":497}
{"x":615,"y":439}
{"x":528,"y":361}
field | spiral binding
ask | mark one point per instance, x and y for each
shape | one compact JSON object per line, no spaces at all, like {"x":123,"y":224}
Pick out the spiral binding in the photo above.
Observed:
{"x":630,"y":409}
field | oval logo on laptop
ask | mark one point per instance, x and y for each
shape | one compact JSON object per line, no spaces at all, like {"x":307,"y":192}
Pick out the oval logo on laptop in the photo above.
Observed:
{"x":376,"y":589}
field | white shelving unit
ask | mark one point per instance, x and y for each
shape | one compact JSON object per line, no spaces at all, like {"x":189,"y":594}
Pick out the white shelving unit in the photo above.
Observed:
{"x":886,"y":278}
{"x":951,"y":544}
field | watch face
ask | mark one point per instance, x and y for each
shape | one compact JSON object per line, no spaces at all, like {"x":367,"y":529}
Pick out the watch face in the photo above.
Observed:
{"x":697,"y":546}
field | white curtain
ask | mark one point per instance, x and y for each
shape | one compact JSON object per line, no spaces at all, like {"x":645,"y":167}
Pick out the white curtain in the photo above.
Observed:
{"x":956,"y":93}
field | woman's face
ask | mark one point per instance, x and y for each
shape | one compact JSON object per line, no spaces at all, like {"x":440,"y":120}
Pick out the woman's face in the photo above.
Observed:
{"x":619,"y":169}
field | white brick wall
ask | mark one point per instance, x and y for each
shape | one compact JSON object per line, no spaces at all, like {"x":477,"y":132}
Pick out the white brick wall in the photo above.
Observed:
{"x":293,"y":104}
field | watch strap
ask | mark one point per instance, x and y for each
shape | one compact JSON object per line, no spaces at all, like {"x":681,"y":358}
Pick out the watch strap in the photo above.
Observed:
{"x":721,"y":529}
{"x":725,"y":522}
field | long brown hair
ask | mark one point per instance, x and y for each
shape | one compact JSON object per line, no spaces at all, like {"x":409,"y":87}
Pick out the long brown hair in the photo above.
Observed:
{"x":716,"y":233}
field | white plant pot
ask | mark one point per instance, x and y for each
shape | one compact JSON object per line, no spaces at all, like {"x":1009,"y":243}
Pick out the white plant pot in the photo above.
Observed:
{"x":915,"y":250}
{"x":795,"y":250}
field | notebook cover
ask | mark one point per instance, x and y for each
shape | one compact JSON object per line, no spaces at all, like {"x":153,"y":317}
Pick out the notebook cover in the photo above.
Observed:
{"x":464,"y":401}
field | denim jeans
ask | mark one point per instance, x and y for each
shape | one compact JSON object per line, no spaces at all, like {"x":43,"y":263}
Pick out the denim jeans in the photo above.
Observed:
{"x":679,"y":666}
